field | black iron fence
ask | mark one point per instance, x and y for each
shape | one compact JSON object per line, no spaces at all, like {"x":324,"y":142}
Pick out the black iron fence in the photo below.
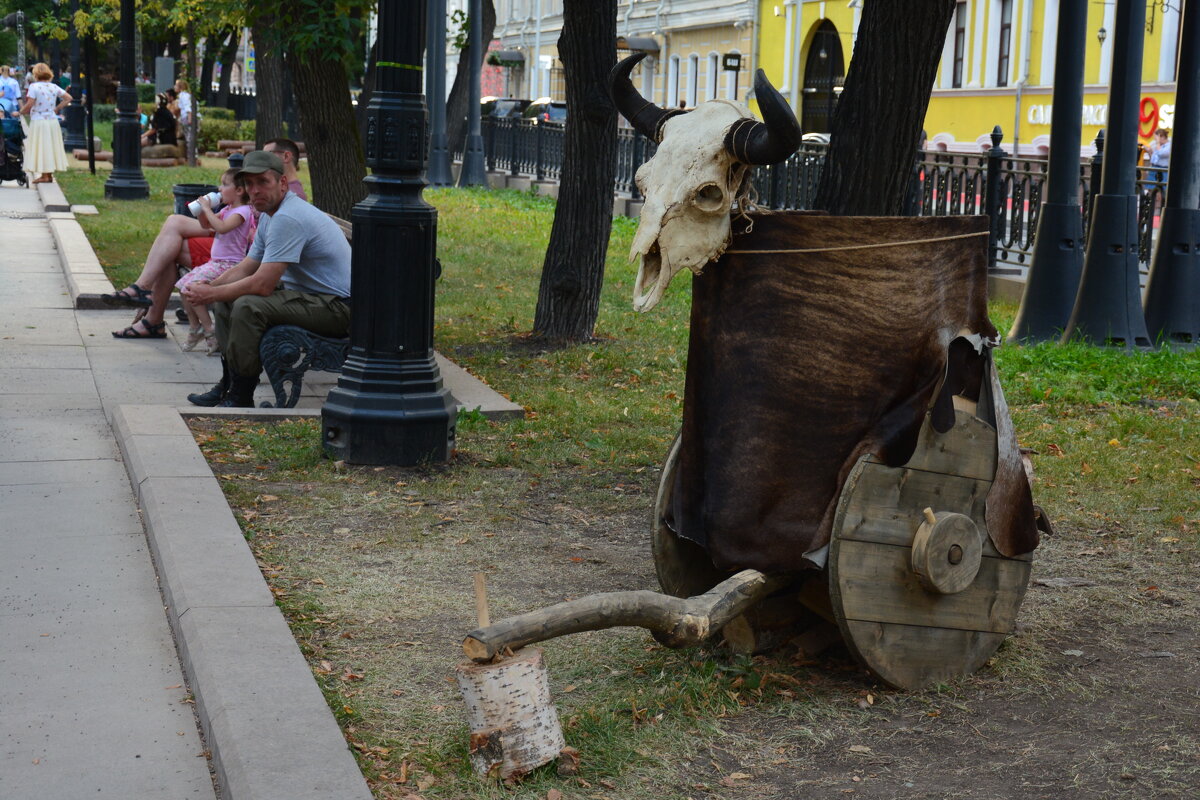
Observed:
{"x":1006,"y":188}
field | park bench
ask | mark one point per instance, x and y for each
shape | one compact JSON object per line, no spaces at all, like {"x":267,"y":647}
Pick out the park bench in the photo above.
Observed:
{"x":289,"y":351}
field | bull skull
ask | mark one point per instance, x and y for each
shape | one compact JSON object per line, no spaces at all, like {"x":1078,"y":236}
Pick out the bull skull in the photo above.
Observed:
{"x":690,"y":185}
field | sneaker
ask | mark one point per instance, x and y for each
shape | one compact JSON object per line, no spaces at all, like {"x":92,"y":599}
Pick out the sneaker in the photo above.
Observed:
{"x":195,"y":336}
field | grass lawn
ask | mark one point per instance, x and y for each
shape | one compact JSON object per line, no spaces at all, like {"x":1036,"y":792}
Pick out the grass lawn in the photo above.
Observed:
{"x":1095,"y":696}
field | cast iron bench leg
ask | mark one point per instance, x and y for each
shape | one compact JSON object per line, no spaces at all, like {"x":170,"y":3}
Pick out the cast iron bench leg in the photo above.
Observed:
{"x":288,"y":352}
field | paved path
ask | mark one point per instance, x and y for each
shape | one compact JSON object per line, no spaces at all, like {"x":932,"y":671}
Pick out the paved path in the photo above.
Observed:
{"x":92,"y":696}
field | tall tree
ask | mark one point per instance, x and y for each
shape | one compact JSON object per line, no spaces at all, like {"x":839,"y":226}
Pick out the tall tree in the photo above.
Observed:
{"x":883,"y":106}
{"x":456,"y":101}
{"x":573,"y":272}
{"x":268,"y":78}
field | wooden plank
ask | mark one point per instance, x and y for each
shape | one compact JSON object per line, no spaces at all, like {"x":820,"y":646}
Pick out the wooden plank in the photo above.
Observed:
{"x":886,"y":503}
{"x":912,"y":658}
{"x":875,"y":583}
{"x":968,"y":449}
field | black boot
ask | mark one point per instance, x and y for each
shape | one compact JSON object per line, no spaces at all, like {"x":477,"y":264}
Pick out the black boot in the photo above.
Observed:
{"x":241,"y":392}
{"x":213,"y":396}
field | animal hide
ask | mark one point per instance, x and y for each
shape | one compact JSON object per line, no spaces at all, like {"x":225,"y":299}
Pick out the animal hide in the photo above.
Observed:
{"x":799,"y":363}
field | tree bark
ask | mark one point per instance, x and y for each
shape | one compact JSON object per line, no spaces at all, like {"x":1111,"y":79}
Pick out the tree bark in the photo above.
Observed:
{"x":335,"y":154}
{"x":228,"y":54}
{"x":573,"y":272}
{"x":268,"y":80}
{"x":456,"y":102}
{"x":883,"y":106}
{"x":368,"y":89}
{"x":211,"y":49}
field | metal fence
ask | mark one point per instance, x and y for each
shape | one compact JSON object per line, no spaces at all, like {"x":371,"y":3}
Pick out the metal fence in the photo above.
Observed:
{"x":1006,"y":188}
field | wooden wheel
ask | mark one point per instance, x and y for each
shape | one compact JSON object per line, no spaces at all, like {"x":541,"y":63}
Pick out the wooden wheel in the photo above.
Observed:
{"x":922,"y":596}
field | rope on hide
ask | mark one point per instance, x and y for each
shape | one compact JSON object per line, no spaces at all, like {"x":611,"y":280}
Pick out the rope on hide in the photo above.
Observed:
{"x":858,"y":246}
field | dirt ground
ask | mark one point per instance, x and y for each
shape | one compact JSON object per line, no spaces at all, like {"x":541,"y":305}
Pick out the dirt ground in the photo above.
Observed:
{"x":1096,"y":696}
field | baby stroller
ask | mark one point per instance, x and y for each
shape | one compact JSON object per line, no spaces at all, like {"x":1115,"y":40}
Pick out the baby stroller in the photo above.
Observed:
{"x":11,"y":165}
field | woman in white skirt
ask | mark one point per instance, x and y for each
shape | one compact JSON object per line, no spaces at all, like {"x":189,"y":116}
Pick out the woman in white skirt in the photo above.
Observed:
{"x":44,"y":148}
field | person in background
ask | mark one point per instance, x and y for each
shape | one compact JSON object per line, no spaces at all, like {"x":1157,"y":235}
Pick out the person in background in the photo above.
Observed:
{"x":44,"y":151}
{"x":288,"y":152}
{"x":1159,"y":153}
{"x":162,"y":124}
{"x":185,"y":113}
{"x":9,"y":88}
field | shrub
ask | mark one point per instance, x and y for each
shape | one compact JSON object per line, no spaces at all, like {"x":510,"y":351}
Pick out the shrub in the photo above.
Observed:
{"x":215,"y":112}
{"x":246,"y":130}
{"x":104,"y":112}
{"x":145,"y":93}
{"x":213,"y":131}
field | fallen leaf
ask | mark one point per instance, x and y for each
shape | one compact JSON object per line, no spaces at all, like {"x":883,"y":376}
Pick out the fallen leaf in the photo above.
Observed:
{"x":1075,"y":653}
{"x":1085,"y":468}
{"x":554,"y":794}
{"x":859,"y":748}
{"x":266,"y":498}
{"x":425,"y":781}
{"x":1114,"y":442}
{"x":176,"y":686}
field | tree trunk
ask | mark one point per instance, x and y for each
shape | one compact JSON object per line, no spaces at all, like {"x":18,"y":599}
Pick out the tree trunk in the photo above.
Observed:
{"x":335,"y":154}
{"x":883,"y":106}
{"x":573,"y":273}
{"x":456,"y":102}
{"x":228,"y":54}
{"x":268,"y":80}
{"x":211,"y":50}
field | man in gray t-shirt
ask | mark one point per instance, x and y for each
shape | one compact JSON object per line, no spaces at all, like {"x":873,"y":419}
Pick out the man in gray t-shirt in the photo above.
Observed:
{"x":296,"y":273}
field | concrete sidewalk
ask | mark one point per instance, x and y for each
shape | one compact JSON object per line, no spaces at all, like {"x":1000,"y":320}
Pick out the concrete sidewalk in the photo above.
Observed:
{"x":101,"y":692}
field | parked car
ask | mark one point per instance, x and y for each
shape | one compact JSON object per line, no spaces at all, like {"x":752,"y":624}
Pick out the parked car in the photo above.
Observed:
{"x":501,"y":107}
{"x":546,"y":110}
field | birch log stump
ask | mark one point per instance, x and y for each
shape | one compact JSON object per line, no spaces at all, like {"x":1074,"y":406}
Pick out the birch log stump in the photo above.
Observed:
{"x":514,"y":725}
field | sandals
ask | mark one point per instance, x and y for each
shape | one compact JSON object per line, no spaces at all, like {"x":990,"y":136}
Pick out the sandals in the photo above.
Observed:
{"x":195,"y":337}
{"x":141,"y":297}
{"x":154,"y":330}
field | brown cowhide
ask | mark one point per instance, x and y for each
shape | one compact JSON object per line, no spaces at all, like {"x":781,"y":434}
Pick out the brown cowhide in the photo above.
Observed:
{"x":799,"y":363}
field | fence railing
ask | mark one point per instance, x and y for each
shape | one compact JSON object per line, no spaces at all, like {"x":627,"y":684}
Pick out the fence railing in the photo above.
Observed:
{"x":1006,"y":188}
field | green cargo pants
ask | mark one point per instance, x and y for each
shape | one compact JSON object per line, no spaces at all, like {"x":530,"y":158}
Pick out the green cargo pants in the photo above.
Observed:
{"x":242,"y":323}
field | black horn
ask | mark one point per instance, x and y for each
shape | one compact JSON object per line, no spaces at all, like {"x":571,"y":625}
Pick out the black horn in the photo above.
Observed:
{"x":643,"y":115}
{"x":770,"y":141}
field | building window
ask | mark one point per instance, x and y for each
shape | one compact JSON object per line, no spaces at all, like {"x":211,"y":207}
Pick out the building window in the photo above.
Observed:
{"x":1005,"y":50}
{"x":672,"y":99}
{"x":960,"y":44}
{"x":710,"y":85}
{"x":693,"y":79}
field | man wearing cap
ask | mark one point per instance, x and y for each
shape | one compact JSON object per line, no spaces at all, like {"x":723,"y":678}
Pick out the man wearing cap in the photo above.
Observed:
{"x":296,"y":273}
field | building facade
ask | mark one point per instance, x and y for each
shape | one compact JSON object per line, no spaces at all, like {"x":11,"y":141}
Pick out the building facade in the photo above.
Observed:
{"x":997,"y":68}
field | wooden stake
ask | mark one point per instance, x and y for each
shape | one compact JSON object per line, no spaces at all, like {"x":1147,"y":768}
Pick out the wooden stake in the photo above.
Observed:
{"x":930,"y":516}
{"x":481,"y":602}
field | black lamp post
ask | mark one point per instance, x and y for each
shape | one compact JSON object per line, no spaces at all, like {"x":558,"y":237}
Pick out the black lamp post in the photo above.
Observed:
{"x":474,"y":172}
{"x":126,"y":181}
{"x":1108,"y":308}
{"x":1173,"y":290}
{"x":389,"y":406}
{"x":73,"y":114}
{"x":1058,"y":247}
{"x":435,"y":58}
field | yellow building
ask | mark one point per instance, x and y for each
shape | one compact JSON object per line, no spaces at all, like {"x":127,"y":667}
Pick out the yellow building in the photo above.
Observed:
{"x":997,"y":68}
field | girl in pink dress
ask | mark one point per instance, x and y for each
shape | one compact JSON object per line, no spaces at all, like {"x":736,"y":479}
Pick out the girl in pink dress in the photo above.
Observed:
{"x":233,"y":229}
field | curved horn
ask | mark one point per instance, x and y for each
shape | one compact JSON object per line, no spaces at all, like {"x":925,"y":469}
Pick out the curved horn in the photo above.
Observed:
{"x":643,"y":115}
{"x":770,"y":141}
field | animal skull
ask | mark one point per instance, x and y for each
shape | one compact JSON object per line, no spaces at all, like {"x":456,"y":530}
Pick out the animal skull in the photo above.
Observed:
{"x":690,"y":184}
{"x":689,"y":188}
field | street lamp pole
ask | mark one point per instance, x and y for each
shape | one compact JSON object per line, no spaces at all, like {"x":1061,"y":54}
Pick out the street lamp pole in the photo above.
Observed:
{"x":126,"y":181}
{"x":74,"y":113}
{"x":1173,"y":290}
{"x":435,"y":57}
{"x":474,"y":172}
{"x":1108,"y":307}
{"x":389,"y":406}
{"x":1053,"y":278}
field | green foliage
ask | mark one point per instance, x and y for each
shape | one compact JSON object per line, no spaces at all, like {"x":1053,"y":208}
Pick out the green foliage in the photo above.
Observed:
{"x":460,"y":26}
{"x":104,"y":112}
{"x":214,"y":130}
{"x":145,"y":94}
{"x":215,"y":112}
